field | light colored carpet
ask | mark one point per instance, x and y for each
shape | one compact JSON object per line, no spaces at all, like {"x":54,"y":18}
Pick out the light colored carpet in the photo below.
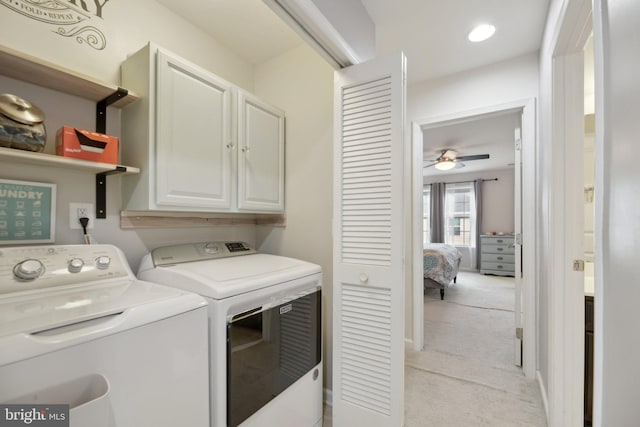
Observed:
{"x":465,"y":375}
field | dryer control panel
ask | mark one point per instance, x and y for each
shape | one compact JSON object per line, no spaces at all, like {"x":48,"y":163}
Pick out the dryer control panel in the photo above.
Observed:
{"x":190,"y":252}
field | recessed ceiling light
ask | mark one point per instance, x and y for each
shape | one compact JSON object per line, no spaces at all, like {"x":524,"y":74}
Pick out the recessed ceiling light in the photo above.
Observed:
{"x":481,"y":32}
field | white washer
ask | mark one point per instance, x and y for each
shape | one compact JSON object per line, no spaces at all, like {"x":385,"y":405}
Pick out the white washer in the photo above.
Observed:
{"x":265,"y":329}
{"x":78,"y":328}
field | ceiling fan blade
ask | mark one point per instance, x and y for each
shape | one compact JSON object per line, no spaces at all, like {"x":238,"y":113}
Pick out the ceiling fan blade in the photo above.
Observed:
{"x":429,"y":165}
{"x":475,"y":157}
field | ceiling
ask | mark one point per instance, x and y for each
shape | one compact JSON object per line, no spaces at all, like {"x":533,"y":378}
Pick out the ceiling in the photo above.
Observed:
{"x":247,"y":27}
{"x":492,"y":134}
{"x":433,"y":33}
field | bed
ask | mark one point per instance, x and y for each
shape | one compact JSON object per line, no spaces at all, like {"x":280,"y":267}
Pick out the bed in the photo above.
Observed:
{"x":440,"y":266}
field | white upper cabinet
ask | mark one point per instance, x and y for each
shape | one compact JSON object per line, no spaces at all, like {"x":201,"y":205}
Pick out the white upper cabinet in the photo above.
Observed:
{"x":203,"y":144}
{"x":261,"y":155}
{"x":193,"y":136}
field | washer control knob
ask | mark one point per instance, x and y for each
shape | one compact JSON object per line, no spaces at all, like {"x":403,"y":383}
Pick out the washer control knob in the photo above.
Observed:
{"x":103,"y":262}
{"x":28,"y":269}
{"x":211,"y":248}
{"x":75,"y":265}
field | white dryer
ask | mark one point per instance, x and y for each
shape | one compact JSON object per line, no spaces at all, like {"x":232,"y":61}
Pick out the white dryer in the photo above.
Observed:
{"x":77,"y":328}
{"x":265,"y":330}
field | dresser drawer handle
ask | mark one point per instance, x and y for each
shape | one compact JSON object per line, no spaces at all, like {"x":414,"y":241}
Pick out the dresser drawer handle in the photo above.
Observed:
{"x":500,"y":258}
{"x":500,"y":249}
{"x":500,"y":266}
{"x":499,"y":240}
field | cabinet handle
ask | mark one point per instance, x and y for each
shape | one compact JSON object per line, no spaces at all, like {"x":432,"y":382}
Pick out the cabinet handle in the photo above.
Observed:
{"x":245,"y":149}
{"x":231,"y":146}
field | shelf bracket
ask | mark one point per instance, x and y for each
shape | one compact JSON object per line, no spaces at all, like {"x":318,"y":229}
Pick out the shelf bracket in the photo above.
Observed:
{"x":101,"y":108}
{"x":101,"y":190}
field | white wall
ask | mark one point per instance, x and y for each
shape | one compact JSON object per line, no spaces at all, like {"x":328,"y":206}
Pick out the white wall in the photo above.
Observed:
{"x":617,"y":176}
{"x":499,"y":83}
{"x":545,"y":222}
{"x":301,"y":83}
{"x":127,"y":26}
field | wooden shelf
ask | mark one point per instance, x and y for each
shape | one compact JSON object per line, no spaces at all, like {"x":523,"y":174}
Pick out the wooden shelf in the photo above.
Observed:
{"x":41,"y":159}
{"x":154,"y":219}
{"x":27,"y":68}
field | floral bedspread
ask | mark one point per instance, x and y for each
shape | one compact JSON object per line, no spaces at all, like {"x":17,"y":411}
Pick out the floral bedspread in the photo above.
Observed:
{"x":441,"y":262}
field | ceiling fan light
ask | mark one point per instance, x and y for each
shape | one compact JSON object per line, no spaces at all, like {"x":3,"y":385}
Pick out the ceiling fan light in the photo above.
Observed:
{"x":445,"y":165}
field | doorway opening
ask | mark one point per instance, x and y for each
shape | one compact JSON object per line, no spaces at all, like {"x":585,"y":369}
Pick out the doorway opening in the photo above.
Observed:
{"x":526,"y":310}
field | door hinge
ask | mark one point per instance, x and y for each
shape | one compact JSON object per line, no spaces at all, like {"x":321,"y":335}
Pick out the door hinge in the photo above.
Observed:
{"x":518,"y":238}
{"x":519,"y":333}
{"x":578,"y":265}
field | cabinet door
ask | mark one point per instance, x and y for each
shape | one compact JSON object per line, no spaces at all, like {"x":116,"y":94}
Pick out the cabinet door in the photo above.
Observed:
{"x":261,"y":155}
{"x":193,"y":147}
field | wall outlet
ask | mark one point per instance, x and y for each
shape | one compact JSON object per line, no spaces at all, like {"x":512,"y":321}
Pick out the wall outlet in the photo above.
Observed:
{"x":79,"y":210}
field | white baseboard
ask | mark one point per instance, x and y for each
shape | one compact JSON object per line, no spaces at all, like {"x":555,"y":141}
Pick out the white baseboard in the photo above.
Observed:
{"x":543,"y":392}
{"x":328,"y":396}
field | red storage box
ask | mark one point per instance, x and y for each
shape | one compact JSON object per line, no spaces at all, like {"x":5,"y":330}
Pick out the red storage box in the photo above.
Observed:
{"x":86,"y":145}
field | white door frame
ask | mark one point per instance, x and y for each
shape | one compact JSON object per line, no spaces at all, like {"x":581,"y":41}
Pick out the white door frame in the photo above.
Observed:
{"x":529,"y":138}
{"x":566,"y":225}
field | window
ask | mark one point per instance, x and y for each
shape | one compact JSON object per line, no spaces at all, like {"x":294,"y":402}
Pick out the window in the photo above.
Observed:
{"x":426,"y":214}
{"x":458,"y":214}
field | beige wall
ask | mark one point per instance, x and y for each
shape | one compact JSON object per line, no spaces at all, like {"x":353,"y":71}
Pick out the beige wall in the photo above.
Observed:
{"x":301,"y":83}
{"x":498,"y":196}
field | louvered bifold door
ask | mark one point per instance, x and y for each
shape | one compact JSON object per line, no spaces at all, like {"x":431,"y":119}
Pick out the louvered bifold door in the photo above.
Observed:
{"x":368,"y":294}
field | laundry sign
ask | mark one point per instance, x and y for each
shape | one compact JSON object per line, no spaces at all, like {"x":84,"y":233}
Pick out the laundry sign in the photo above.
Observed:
{"x":27,"y":212}
{"x":75,"y":19}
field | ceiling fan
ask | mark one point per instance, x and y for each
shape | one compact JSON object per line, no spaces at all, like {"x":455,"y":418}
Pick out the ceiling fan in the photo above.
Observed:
{"x":449,"y":159}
